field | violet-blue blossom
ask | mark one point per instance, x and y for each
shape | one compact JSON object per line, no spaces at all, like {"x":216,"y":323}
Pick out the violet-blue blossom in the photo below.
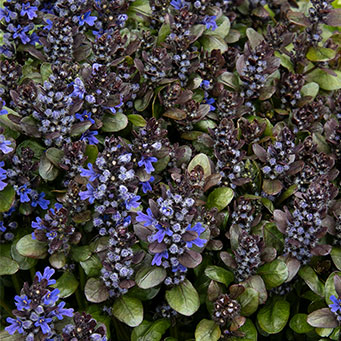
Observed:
{"x":89,"y":173}
{"x":210,"y":23}
{"x":86,"y":18}
{"x":23,"y":192}
{"x":178,"y":4}
{"x":89,"y":136}
{"x":48,"y":272}
{"x":38,"y":199}
{"x":17,"y":325}
{"x":336,"y":305}
{"x":147,"y":161}
{"x":88,"y":194}
{"x":4,"y":145}
{"x":29,"y":10}
{"x":85,"y":116}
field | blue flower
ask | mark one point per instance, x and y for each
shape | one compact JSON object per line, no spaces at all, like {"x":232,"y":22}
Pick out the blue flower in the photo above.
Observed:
{"x":132,"y":201}
{"x":121,"y":19}
{"x":161,"y":233}
{"x":89,"y":136}
{"x":2,"y":227}
{"x":22,"y":303}
{"x":179,"y":268}
{"x":43,"y":322}
{"x":148,"y":218}
{"x":178,"y":4}
{"x":3,"y":176}
{"x":209,"y":21}
{"x":4,"y":145}
{"x":205,"y":84}
{"x":146,"y":161}
{"x":20,"y":32}
{"x":39,"y":200}
{"x":17,"y":324}
{"x":158,"y":258}
{"x":6,"y":14}
{"x":199,"y":229}
{"x":38,"y":224}
{"x":51,"y":235}
{"x":89,"y":194}
{"x":51,"y":297}
{"x":336,"y":306}
{"x":86,"y":18}
{"x":29,"y":10}
{"x":85,"y":116}
{"x":49,"y":24}
{"x":210,"y":101}
{"x":146,"y":186}
{"x":48,"y":272}
{"x":89,"y":173}
{"x":60,"y":311}
{"x":23,"y":191}
{"x":78,"y":88}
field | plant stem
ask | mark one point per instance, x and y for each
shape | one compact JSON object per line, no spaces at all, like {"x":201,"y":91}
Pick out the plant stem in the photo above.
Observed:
{"x":16,"y":284}
{"x":6,"y":307}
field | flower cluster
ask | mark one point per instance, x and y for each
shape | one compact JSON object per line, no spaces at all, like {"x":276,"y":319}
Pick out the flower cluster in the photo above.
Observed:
{"x":56,"y":230}
{"x":84,"y":327}
{"x":38,"y":308}
{"x":225,"y":309}
{"x":172,"y":234}
{"x":117,"y":260}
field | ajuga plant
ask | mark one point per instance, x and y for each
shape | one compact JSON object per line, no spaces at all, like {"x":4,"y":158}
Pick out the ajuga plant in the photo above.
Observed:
{"x":175,"y":165}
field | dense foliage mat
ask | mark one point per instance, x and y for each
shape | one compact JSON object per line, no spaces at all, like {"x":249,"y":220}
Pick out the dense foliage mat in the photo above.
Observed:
{"x":169,"y":170}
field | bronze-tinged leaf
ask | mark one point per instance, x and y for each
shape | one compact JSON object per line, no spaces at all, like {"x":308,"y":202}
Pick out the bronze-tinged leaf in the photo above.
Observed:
{"x":260,"y":152}
{"x":127,"y":284}
{"x":321,"y":250}
{"x":156,"y":247}
{"x":293,"y":266}
{"x":322,"y":318}
{"x":214,"y":290}
{"x":154,"y":208}
{"x":188,"y":236}
{"x":333,"y":17}
{"x":281,"y":220}
{"x":337,"y":283}
{"x":298,"y":18}
{"x":175,"y":114}
{"x":237,"y":322}
{"x":190,"y":259}
{"x":236,"y":290}
{"x":272,"y":187}
{"x":228,"y":259}
{"x":296,"y":167}
{"x":211,"y":181}
{"x":269,"y":254}
{"x":138,"y":257}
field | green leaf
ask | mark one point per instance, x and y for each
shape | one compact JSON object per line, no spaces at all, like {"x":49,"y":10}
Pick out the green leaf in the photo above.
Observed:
{"x":272,"y":236}
{"x":213,"y":42}
{"x":150,"y":277}
{"x":92,"y":266}
{"x":91,"y":151}
{"x":299,"y":324}
{"x":310,"y":89}
{"x":256,"y":282}
{"x":329,"y":287}
{"x":28,"y":247}
{"x":336,"y":256}
{"x":223,"y":27}
{"x":272,"y":187}
{"x":320,"y":54}
{"x":45,"y":71}
{"x":325,"y":80}
{"x":113,"y":123}
{"x":25,"y":263}
{"x":80,"y":253}
{"x":254,"y":37}
{"x":54,"y":155}
{"x":67,"y":284}
{"x":142,"y":104}
{"x":37,"y":148}
{"x":163,"y":33}
{"x":57,"y":260}
{"x":249,"y":330}
{"x":150,"y":331}
{"x":207,"y":330}
{"x":274,"y":273}
{"x":249,"y":301}
{"x":285,"y":61}
{"x":220,"y":198}
{"x":8,"y":266}
{"x":183,"y":298}
{"x":203,"y":161}
{"x":46,"y":169}
{"x":4,"y":336}
{"x":219,"y":274}
{"x":7,"y":196}
{"x":311,"y":279}
{"x":95,"y":290}
{"x":128,"y":310}
{"x":80,"y":128}
{"x":273,"y":317}
{"x":137,"y":120}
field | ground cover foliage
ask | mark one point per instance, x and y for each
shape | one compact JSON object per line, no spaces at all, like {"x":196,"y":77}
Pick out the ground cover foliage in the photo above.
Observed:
{"x":169,"y":170}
